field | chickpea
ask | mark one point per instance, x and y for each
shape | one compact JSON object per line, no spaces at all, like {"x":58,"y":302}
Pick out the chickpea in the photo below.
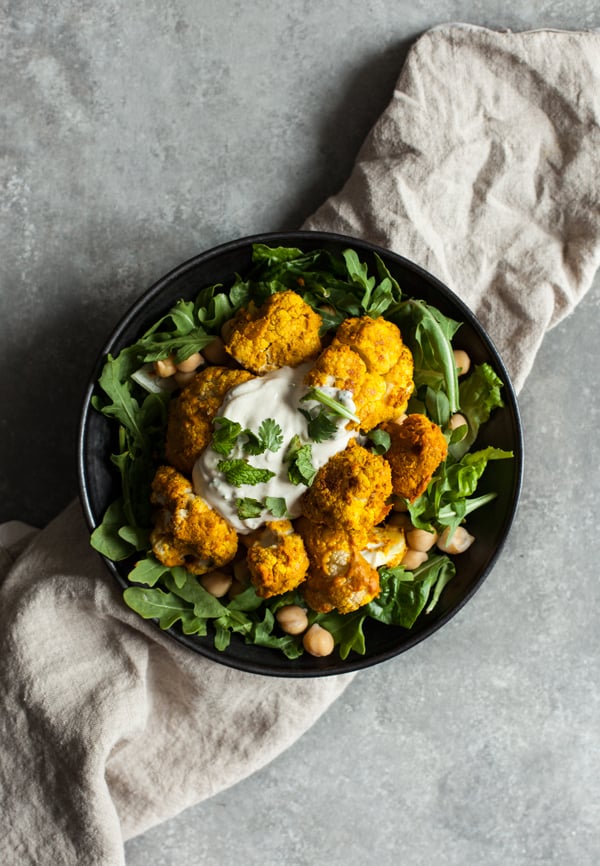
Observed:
{"x":421,"y":539}
{"x":457,"y":420}
{"x":399,"y":504}
{"x":400,"y":519}
{"x":236,"y":588}
{"x":190,"y":364}
{"x":215,"y":352}
{"x":165,"y":367}
{"x":413,"y":558}
{"x":242,"y":572}
{"x":318,"y":641}
{"x":217,"y":583}
{"x":455,"y":542}
{"x":227,"y":330}
{"x":462,"y":361}
{"x":182,"y":379}
{"x":292,"y":618}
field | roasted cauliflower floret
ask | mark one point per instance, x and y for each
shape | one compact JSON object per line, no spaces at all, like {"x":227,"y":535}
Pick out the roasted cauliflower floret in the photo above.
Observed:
{"x":189,"y":427}
{"x":377,"y":341}
{"x":186,"y":530}
{"x":282,"y":332}
{"x":351,"y":491}
{"x":339,"y":576}
{"x":386,"y":545}
{"x":417,"y":448}
{"x":277,"y":559}
{"x":368,"y":358}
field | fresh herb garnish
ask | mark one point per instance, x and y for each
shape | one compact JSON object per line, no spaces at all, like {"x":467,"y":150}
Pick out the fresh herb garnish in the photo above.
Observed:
{"x":268,"y":438}
{"x":320,"y":425}
{"x":248,"y":508}
{"x":331,"y":403}
{"x":299,"y":458}
{"x":239,"y":472}
{"x":225,"y":435}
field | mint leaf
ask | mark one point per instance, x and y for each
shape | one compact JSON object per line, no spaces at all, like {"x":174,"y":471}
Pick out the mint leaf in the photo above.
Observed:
{"x":247,"y":508}
{"x":238,"y":472}
{"x":277,"y":506}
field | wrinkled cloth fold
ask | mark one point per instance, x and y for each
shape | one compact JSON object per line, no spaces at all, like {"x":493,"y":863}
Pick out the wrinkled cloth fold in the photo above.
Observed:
{"x":483,"y":169}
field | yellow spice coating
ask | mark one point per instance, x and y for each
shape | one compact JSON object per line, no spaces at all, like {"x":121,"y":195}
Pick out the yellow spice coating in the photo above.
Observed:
{"x":189,"y":428}
{"x":351,"y":491}
{"x":339,"y":576}
{"x":187,"y":532}
{"x":417,"y":448}
{"x":277,"y":559}
{"x":282,"y":332}
{"x":368,"y":357}
{"x":377,"y":341}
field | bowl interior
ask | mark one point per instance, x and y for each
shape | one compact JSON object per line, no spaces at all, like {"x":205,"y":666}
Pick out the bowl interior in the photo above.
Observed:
{"x":99,"y":484}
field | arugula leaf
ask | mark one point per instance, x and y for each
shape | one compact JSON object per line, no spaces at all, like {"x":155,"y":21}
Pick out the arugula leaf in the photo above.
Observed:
{"x":166,"y":607}
{"x":429,"y":334}
{"x":106,"y":539}
{"x":480,"y":394}
{"x":347,"y":630}
{"x":405,"y":594}
{"x":239,"y":472}
{"x":381,"y":440}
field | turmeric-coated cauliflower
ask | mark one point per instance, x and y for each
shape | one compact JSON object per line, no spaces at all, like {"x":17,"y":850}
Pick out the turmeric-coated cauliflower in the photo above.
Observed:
{"x":417,"y":448}
{"x":351,"y":491}
{"x":282,"y":332}
{"x":386,"y":545}
{"x":187,"y":532}
{"x":367,"y":357}
{"x":277,"y":559}
{"x":339,"y":576}
{"x":189,"y":427}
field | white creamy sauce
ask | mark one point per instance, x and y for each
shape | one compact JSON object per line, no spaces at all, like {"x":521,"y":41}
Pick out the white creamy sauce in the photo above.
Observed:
{"x":275,"y":395}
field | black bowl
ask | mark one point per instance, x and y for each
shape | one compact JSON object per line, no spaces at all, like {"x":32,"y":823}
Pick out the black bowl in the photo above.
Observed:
{"x":99,"y":482}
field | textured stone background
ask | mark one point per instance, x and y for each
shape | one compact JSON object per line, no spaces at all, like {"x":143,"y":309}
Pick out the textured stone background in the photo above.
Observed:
{"x":137,"y":134}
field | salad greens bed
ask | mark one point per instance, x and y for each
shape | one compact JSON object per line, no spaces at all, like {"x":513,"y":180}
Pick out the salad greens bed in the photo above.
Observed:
{"x":336,"y":286}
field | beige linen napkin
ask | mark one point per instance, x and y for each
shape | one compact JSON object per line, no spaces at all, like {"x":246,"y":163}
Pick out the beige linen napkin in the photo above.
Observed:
{"x":483,"y":169}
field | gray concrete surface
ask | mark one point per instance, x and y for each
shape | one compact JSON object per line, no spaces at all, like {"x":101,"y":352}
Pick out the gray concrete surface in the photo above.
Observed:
{"x":136,"y":134}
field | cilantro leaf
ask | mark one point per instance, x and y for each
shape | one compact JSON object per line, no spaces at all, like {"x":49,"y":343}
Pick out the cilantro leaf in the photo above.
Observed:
{"x":225,"y":434}
{"x":238,"y":472}
{"x":299,"y":457}
{"x":269,"y":438}
{"x":271,"y":434}
{"x":320,"y":426}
